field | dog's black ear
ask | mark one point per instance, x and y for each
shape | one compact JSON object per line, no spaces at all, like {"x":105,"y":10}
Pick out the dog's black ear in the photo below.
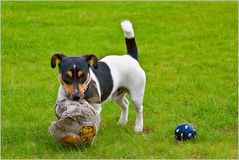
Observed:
{"x":55,"y":57}
{"x":91,"y":59}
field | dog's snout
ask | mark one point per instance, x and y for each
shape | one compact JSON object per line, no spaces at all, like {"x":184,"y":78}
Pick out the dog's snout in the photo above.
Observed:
{"x":76,"y":96}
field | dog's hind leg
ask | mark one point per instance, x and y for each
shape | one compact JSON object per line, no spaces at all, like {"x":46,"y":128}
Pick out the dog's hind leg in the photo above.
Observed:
{"x":137,"y":99}
{"x":124,"y":104}
{"x":136,"y":93}
{"x":122,"y":101}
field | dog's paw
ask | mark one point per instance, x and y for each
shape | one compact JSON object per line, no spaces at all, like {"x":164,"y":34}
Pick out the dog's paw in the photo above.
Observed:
{"x":138,"y":129}
{"x":139,"y":125}
{"x":122,"y":121}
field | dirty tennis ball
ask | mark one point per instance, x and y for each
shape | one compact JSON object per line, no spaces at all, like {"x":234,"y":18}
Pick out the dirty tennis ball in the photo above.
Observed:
{"x":77,"y":125}
{"x":185,"y":131}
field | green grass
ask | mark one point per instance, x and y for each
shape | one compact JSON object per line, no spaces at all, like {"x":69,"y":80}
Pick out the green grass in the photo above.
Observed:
{"x":187,"y":49}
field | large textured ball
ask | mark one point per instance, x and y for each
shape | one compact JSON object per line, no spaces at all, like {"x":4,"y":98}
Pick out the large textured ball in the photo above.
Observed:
{"x":185,"y":132}
{"x":78,"y":123}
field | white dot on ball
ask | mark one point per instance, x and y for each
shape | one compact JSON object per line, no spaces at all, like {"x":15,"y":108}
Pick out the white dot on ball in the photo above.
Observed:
{"x":186,"y":127}
{"x":177,"y":130}
{"x":189,"y":134}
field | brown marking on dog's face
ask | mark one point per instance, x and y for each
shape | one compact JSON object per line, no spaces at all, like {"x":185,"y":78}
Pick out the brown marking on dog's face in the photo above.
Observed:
{"x":79,"y":73}
{"x":69,"y":88}
{"x":83,"y":86}
{"x":69,"y":74}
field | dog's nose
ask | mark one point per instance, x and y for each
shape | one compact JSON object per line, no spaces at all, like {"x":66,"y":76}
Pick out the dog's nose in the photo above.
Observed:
{"x":75,"y":96}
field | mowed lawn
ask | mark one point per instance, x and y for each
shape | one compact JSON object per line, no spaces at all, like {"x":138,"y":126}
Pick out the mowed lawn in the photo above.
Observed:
{"x":187,"y":49}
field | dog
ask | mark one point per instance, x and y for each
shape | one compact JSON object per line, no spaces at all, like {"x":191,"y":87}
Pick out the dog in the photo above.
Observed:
{"x":86,"y":77}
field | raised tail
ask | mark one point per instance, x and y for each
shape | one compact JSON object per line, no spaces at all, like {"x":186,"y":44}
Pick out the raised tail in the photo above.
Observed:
{"x":128,"y":30}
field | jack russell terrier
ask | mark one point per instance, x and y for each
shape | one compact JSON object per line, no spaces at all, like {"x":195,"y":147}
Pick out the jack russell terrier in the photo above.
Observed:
{"x":86,"y":77}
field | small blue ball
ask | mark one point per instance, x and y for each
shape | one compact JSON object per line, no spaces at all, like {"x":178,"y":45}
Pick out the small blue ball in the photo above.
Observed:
{"x":185,"y":132}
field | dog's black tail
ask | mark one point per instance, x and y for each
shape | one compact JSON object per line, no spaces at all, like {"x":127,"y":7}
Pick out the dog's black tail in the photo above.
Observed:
{"x":129,"y":38}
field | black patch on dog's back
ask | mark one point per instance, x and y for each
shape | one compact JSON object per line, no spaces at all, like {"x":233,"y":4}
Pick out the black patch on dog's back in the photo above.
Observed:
{"x":104,"y":77}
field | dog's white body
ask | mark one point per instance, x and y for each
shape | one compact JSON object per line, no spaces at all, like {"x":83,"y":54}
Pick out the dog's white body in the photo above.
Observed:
{"x":127,"y":76}
{"x":127,"y":73}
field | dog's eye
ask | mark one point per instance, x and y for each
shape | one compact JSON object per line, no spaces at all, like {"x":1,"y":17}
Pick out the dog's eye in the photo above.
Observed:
{"x":69,"y":74}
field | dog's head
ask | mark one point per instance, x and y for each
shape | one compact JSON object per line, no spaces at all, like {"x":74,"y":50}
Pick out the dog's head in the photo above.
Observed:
{"x":74,"y":73}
